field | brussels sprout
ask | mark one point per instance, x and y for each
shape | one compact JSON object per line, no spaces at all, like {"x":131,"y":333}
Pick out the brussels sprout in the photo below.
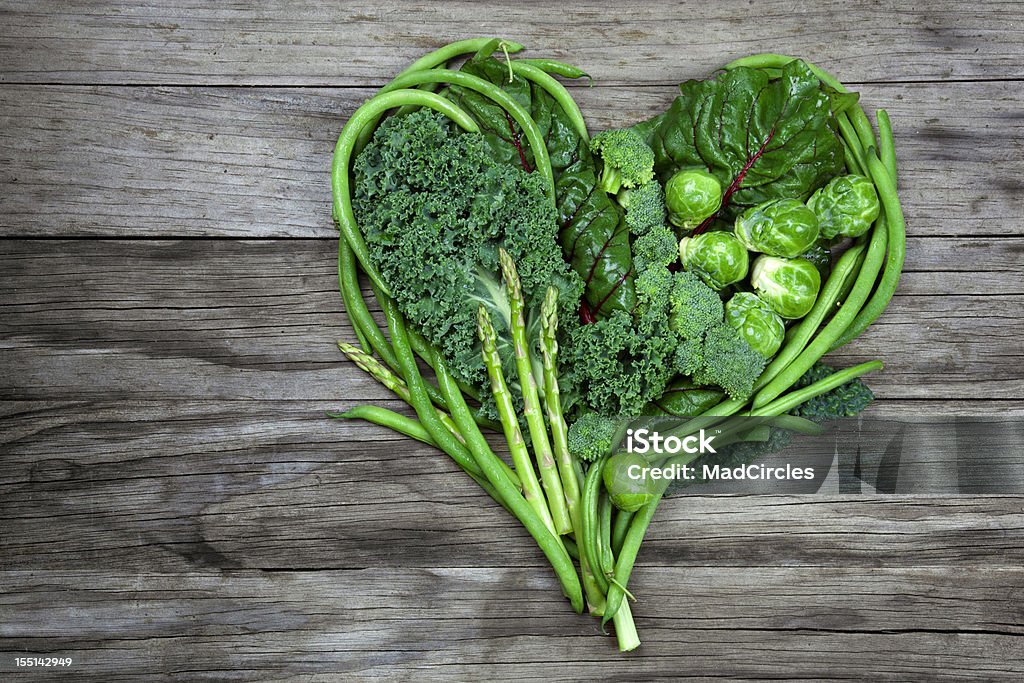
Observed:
{"x":759,"y":325}
{"x":788,"y":286}
{"x":780,"y":227}
{"x":691,"y":196}
{"x":846,"y":207}
{"x":629,"y":493}
{"x":718,"y":258}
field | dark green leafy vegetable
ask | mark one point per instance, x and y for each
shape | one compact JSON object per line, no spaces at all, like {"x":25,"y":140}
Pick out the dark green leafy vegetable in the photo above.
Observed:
{"x":430,"y":195}
{"x":764,"y":134}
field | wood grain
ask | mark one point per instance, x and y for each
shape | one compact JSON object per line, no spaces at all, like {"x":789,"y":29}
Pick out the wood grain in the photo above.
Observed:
{"x":304,"y":42}
{"x":186,"y":485}
{"x":174,"y":504}
{"x":258,"y":319}
{"x":469,"y":624}
{"x":253,"y":162}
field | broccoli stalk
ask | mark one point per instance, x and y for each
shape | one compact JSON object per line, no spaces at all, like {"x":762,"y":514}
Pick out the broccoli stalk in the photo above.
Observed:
{"x":531,"y":399}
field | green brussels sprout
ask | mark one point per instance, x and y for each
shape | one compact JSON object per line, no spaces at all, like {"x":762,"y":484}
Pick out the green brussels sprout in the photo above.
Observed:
{"x":780,"y":227}
{"x":627,"y":486}
{"x":757,"y":323}
{"x":691,"y":196}
{"x":718,"y":258}
{"x":788,"y":286}
{"x":846,"y":207}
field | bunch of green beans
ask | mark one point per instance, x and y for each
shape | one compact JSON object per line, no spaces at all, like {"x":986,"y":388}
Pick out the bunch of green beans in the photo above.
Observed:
{"x":565,"y":509}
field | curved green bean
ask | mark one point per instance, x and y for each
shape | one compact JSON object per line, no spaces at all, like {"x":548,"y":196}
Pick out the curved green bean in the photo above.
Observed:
{"x":348,"y":285}
{"x":557,"y":91}
{"x":433,"y":60}
{"x":420,"y":401}
{"x":340,"y":190}
{"x":894,"y":261}
{"x":886,"y":144}
{"x":587,"y":539}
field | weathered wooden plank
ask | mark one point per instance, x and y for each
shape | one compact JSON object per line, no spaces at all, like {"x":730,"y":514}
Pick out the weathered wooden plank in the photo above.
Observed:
{"x":180,"y":485}
{"x":356,"y":43}
{"x":258,"y":319}
{"x":471,"y":624}
{"x":254,"y":162}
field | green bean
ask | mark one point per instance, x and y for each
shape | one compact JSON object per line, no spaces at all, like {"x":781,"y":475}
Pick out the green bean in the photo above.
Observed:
{"x":432,"y":60}
{"x":604,"y":517}
{"x":627,"y":556}
{"x":587,"y":538}
{"x":622,"y":520}
{"x":340,"y":190}
{"x":549,"y":543}
{"x":571,"y":547}
{"x":886,"y":144}
{"x":346,"y":277}
{"x":509,"y":422}
{"x":420,"y":400}
{"x":557,"y":91}
{"x":499,"y":97}
{"x":388,"y":418}
{"x":379,"y":372}
{"x":791,"y":400}
{"x":358,"y":313}
{"x":852,"y":141}
{"x":562,"y":69}
{"x":897,"y":238}
{"x":801,"y":334}
{"x":863,"y":127}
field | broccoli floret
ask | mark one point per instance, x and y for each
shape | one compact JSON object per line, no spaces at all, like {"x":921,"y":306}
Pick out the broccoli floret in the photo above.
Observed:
{"x":689,"y":355}
{"x":695,"y":307}
{"x":591,"y":436}
{"x":846,"y":400}
{"x":655,"y":248}
{"x":645,"y":207}
{"x":435,"y":206}
{"x":628,"y":160}
{"x":729,"y":362}
{"x":653,"y":288}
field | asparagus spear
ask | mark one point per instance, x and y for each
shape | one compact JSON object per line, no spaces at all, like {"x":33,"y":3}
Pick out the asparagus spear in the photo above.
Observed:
{"x":531,"y":399}
{"x":509,"y":422}
{"x":567,"y":465}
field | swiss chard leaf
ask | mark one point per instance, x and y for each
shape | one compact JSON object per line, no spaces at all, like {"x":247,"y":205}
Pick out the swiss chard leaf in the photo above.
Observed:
{"x":595,"y":240}
{"x":763,"y":134}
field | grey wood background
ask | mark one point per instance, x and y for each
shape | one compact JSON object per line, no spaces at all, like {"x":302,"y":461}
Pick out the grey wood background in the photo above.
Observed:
{"x":175,"y":506}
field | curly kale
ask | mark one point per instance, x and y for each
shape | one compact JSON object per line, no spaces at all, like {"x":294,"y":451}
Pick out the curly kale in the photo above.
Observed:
{"x":846,"y":400}
{"x":435,"y":207}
